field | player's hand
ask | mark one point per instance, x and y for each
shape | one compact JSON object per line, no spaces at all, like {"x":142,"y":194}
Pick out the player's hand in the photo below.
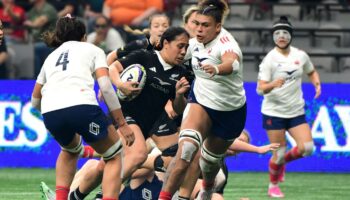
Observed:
{"x":130,"y":88}
{"x":182,"y":86}
{"x":269,"y":147}
{"x":277,"y":83}
{"x":127,"y":133}
{"x":170,"y":110}
{"x":318,"y":91}
{"x":210,"y":69}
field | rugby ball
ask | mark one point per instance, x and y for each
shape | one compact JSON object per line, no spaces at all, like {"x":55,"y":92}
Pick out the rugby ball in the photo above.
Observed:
{"x":136,"y":73}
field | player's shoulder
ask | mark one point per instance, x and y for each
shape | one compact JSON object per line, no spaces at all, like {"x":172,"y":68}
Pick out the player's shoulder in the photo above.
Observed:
{"x":299,"y":51}
{"x":226,"y":37}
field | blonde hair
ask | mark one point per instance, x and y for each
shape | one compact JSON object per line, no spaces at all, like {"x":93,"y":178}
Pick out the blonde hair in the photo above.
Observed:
{"x":188,"y":13}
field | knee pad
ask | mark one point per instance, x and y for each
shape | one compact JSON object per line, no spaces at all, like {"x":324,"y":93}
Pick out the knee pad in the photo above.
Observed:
{"x":75,"y":150}
{"x":159,"y":164}
{"x":209,"y":160}
{"x":113,"y":151}
{"x":280,"y":155}
{"x":192,"y":135}
{"x":309,"y":148}
{"x":188,"y":151}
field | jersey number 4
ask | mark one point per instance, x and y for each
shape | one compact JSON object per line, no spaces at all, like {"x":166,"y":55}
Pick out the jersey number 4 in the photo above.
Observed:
{"x":63,"y":60}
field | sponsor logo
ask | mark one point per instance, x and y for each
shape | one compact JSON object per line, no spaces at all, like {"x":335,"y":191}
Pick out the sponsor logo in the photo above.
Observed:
{"x":162,"y":82}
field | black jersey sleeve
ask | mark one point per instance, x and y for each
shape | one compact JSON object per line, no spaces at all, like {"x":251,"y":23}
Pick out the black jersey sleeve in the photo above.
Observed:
{"x":132,"y":46}
{"x":135,"y":57}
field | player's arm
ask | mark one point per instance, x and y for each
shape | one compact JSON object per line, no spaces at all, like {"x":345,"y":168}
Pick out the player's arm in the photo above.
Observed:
{"x":129,"y":87}
{"x":36,"y":96}
{"x":315,"y":80}
{"x":239,"y":146}
{"x":228,"y":65}
{"x":179,"y":102}
{"x":111,"y":57}
{"x":113,"y":104}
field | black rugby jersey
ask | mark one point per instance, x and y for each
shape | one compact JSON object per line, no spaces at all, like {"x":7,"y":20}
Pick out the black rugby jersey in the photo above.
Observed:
{"x":133,"y":46}
{"x":146,"y":108}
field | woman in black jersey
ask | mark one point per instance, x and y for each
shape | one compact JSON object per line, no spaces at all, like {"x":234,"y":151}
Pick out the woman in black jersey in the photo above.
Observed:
{"x":165,"y":81}
{"x":158,"y":23}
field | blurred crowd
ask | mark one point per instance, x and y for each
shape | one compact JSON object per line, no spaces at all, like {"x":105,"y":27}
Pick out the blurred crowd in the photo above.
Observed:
{"x":24,"y":21}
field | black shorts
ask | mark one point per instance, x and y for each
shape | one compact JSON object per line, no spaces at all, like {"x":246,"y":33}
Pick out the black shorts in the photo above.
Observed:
{"x":165,"y":126}
{"x":87,"y":120}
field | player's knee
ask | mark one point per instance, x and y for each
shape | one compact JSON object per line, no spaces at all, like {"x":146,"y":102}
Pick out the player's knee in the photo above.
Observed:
{"x":159,"y":164}
{"x":280,"y":155}
{"x":113,"y":151}
{"x":75,"y":150}
{"x":209,"y":160}
{"x":308,"y":148}
{"x":189,"y":149}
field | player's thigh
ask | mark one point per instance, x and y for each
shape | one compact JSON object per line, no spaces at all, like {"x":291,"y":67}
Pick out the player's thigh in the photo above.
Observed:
{"x":166,"y":141}
{"x":139,"y":145}
{"x":301,"y":133}
{"x":102,"y":145}
{"x":195,"y":117}
{"x":277,"y":136}
{"x":216,"y":144}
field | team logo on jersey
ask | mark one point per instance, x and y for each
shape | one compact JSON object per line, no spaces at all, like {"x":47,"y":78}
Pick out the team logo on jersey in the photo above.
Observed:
{"x":296,"y":62}
{"x":162,"y":82}
{"x":94,"y":128}
{"x":146,"y":194}
{"x":161,"y":128}
{"x":196,"y":49}
{"x":174,"y":77}
{"x":153,"y":69}
{"x":279,"y":65}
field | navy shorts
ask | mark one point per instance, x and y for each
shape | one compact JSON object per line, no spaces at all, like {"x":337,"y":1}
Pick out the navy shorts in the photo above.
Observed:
{"x":87,"y":120}
{"x":227,"y":125}
{"x":278,"y":123}
{"x":147,"y":190}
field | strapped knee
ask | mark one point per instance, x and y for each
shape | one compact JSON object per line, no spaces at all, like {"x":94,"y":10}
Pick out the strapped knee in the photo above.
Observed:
{"x":113,"y":151}
{"x":209,"y":160}
{"x":188,"y":148}
{"x":280,"y":155}
{"x":192,"y":135}
{"x":159,"y":164}
{"x":75,"y":150}
{"x":309,"y":148}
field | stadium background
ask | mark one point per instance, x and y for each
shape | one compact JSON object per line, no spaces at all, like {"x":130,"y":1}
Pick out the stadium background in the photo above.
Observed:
{"x":24,"y":141}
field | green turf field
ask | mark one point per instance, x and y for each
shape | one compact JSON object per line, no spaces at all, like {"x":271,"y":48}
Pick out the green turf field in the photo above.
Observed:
{"x":23,"y":184}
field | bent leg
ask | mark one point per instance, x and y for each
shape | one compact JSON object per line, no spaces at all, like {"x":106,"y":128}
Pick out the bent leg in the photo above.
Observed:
{"x":66,"y":166}
{"x":305,"y":145}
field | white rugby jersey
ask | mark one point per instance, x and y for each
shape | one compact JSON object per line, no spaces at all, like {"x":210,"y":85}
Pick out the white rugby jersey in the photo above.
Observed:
{"x":67,"y":76}
{"x":221,"y":92}
{"x":286,"y":101}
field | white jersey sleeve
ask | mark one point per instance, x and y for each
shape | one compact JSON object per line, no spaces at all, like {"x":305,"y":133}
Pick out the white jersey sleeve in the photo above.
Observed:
{"x":41,"y":79}
{"x":308,"y":66}
{"x":265,"y":70}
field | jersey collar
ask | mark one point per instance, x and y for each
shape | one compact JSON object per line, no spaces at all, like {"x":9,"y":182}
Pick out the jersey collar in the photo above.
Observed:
{"x":165,"y":65}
